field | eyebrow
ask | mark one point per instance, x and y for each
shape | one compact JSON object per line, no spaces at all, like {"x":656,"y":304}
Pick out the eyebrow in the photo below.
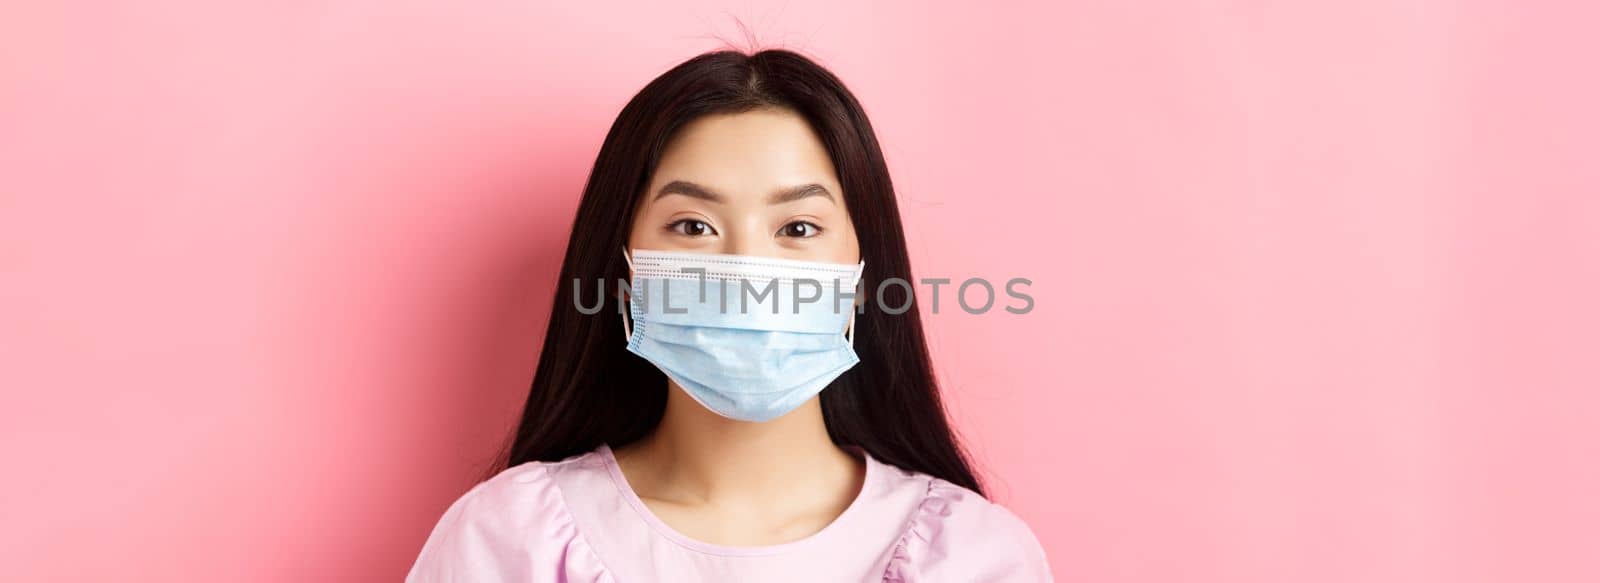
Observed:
{"x":780,"y":196}
{"x":689,"y":189}
{"x":795,"y":193}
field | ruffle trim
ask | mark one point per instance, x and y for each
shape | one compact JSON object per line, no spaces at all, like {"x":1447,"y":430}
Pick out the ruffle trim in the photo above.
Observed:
{"x":579,"y":562}
{"x":922,"y":530}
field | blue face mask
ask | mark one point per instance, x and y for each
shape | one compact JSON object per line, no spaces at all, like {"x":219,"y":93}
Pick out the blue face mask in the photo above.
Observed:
{"x":750,"y":338}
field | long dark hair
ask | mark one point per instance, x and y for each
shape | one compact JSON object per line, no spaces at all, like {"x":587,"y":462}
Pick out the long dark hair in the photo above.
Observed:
{"x":589,"y":390}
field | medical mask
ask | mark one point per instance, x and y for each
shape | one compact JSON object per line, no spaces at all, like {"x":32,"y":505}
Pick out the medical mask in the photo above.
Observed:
{"x":750,"y":338}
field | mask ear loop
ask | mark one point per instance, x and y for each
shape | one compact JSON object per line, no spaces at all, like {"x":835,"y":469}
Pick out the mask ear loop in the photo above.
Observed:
{"x":627,"y":326}
{"x":850,"y":329}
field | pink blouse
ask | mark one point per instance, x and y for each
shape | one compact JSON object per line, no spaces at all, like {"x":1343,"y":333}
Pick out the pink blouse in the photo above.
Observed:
{"x":578,"y":520}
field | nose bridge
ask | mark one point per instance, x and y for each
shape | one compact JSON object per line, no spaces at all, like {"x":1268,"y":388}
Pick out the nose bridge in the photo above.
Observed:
{"x":747,"y":235}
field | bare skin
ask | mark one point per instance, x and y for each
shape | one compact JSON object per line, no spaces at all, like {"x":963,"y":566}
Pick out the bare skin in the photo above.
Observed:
{"x":711,"y":478}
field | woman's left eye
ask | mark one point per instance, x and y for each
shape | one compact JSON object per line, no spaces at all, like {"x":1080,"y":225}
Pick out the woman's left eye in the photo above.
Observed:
{"x":801,"y":229}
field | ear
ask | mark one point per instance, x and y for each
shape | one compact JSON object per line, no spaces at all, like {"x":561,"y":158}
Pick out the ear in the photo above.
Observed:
{"x":624,"y":297}
{"x":628,"y":258}
{"x":861,"y":284}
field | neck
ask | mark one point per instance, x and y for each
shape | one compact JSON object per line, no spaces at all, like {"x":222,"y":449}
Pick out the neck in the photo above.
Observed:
{"x":695,"y":455}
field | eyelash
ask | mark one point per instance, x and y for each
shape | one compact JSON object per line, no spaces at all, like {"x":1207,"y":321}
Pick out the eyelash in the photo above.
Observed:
{"x":815,"y":230}
{"x":680,"y":227}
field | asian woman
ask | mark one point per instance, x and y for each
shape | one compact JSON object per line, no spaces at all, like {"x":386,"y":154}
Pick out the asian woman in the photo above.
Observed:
{"x":672,"y":435}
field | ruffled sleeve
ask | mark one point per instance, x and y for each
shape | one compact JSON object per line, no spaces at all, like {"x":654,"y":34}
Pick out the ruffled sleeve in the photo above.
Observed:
{"x":957,"y":535}
{"x":512,"y":527}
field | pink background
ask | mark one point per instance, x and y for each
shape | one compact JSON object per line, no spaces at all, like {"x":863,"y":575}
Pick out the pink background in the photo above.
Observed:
{"x":1316,"y":282}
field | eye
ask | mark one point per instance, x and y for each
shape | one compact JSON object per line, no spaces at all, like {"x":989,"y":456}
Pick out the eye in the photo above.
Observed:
{"x":800,"y":229}
{"x":691,"y":228}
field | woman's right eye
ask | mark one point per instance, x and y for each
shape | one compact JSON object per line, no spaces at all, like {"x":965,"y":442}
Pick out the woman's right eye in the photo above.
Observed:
{"x":691,"y":228}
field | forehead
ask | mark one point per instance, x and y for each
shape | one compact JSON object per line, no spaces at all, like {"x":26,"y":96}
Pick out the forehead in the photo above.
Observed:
{"x":747,"y":153}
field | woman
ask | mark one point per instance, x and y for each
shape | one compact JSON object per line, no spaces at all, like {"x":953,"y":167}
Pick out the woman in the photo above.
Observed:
{"x":699,"y":436}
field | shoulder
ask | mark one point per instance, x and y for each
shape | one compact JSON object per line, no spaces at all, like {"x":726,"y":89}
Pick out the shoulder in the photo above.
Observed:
{"x":498,"y":499}
{"x":514,"y":522}
{"x":959,"y":535}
